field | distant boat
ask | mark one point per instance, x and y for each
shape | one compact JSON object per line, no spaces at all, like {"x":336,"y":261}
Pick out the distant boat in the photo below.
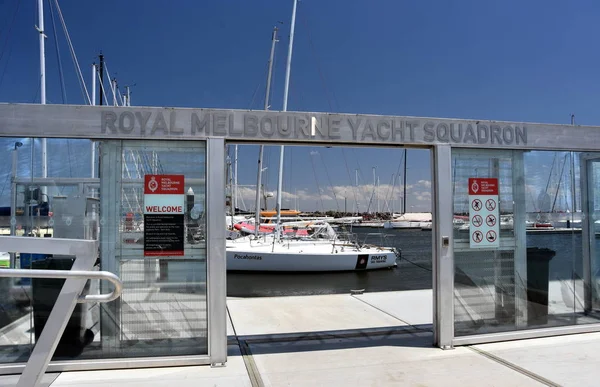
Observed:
{"x":410,"y":220}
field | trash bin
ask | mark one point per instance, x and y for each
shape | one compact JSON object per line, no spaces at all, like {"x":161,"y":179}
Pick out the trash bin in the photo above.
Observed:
{"x":45,"y":292}
{"x":25,"y":261}
{"x":538,"y":279}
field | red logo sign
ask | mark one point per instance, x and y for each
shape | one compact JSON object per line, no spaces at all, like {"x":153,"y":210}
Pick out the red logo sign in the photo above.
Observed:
{"x":164,"y":184}
{"x":483,"y":186}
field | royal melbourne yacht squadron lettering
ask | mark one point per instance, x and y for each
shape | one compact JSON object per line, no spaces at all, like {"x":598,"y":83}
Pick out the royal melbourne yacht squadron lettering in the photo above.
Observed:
{"x":307,"y":126}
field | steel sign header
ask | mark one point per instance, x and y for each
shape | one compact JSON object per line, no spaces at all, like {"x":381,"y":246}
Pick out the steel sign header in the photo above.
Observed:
{"x":107,"y":122}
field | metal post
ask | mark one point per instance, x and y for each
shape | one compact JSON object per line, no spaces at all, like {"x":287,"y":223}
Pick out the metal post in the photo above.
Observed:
{"x":235,"y":178}
{"x":404,"y":186}
{"x":13,"y":201}
{"x":64,"y":306}
{"x":40,"y":29}
{"x":374,"y":185}
{"x":573,"y":175}
{"x":261,"y":148}
{"x":443,"y":251}
{"x":520,"y":235}
{"x":101,"y":72}
{"x":285,"y":101}
{"x":93,"y":143}
{"x":128,"y":93}
{"x":215,"y":246}
{"x":94,"y":84}
{"x":356,"y":188}
{"x":113,"y":87}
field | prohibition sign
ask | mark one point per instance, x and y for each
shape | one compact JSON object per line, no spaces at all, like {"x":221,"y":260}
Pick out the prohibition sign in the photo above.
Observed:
{"x":490,"y":204}
{"x":491,"y":236}
{"x":477,"y":221}
{"x":490,"y":220}
{"x":476,"y":204}
{"x":477,"y":236}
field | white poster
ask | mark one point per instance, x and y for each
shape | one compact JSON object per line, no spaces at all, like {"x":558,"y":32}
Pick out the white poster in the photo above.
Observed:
{"x":484,"y":213}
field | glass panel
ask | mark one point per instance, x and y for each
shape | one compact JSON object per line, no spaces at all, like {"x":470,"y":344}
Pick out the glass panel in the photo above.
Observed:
{"x":593,"y":206}
{"x":534,"y":278}
{"x":485,"y":289}
{"x":163,"y":309}
{"x":27,"y":205}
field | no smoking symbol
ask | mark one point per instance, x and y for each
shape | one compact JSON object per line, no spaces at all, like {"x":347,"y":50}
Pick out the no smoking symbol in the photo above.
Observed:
{"x":476,"y":204}
{"x":490,"y":220}
{"x":490,"y":204}
{"x":490,"y":236}
{"x":477,"y":236}
{"x":477,"y":221}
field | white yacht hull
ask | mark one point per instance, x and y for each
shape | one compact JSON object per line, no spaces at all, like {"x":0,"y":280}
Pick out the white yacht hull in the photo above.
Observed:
{"x":307,"y":256}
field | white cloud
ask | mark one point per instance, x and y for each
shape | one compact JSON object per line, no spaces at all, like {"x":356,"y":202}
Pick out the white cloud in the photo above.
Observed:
{"x":384,"y":198}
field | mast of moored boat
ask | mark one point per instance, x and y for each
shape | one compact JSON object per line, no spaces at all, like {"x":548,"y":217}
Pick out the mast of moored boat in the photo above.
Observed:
{"x":404,"y":186}
{"x":261,"y":148}
{"x":285,"y":100}
{"x":40,"y":29}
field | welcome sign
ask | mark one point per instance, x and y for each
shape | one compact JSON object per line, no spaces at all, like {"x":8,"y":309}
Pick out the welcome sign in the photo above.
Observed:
{"x":164,"y":200}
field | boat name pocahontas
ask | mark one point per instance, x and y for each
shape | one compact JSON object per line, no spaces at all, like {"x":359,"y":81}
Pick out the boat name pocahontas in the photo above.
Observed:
{"x":300,"y":126}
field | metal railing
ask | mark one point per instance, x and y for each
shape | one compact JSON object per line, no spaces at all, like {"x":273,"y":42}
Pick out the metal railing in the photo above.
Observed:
{"x":85,"y":252}
{"x":64,"y":274}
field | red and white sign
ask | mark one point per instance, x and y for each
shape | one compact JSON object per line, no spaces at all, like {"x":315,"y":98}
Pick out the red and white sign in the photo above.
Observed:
{"x":164,"y":185}
{"x":484,"y":214}
{"x":164,"y":203}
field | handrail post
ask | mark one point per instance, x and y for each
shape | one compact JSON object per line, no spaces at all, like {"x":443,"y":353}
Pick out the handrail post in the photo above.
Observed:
{"x":85,"y":252}
{"x":57,"y":321}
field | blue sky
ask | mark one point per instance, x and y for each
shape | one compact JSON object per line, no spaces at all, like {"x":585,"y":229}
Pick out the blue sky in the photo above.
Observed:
{"x":533,"y":61}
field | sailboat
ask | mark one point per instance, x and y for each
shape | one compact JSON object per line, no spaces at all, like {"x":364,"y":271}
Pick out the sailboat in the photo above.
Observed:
{"x":320,"y":249}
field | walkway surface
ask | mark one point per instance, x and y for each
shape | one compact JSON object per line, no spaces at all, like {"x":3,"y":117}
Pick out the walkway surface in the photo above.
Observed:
{"x":375,"y":339}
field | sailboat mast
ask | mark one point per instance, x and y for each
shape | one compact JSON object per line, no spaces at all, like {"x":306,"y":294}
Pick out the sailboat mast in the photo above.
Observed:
{"x":573,"y":172}
{"x":92,"y":143}
{"x":261,"y":148}
{"x":40,"y":29}
{"x":404,"y":186}
{"x":235,"y":179}
{"x":286,"y":89}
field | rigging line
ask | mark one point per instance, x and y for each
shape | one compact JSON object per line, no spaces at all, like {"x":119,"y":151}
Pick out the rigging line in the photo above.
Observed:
{"x":12,"y":22}
{"x":360,"y":176}
{"x":57,"y":49}
{"x":317,"y":181}
{"x":397,"y":176}
{"x":37,"y":89}
{"x":112,"y":89}
{"x":102,"y":87}
{"x":257,"y":87}
{"x":6,"y":16}
{"x":562,"y":171}
{"x":550,"y":174}
{"x":330,"y":183}
{"x":388,"y":197}
{"x":5,"y":183}
{"x":6,"y":66}
{"x":313,"y":50}
{"x":86,"y":95}
{"x":350,"y":177}
{"x":118,"y":91}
